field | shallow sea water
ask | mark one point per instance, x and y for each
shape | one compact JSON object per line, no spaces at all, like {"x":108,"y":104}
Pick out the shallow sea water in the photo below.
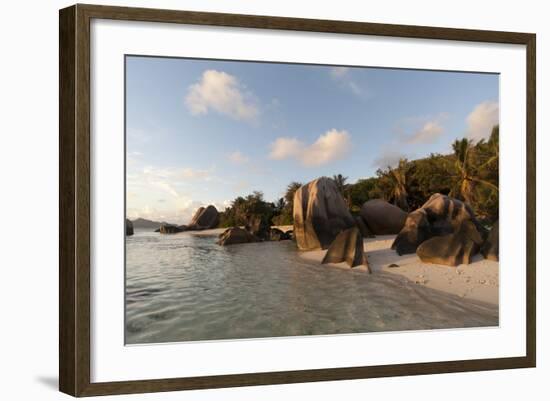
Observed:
{"x":184,"y":287}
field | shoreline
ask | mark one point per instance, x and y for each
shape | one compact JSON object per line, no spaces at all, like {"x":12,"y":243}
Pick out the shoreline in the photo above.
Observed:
{"x":478,"y":281}
{"x":218,"y":231}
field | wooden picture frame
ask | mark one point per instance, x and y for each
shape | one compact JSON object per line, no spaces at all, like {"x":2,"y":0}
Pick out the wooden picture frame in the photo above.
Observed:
{"x":74,"y":199}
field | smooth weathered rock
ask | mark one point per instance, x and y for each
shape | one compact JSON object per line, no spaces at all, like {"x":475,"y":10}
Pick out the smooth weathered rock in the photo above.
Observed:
{"x":347,"y":247}
{"x":320,"y":214}
{"x":415,"y":231}
{"x":258,"y":226}
{"x":365,"y":232}
{"x":170,"y":229}
{"x":382,"y":218}
{"x":204,"y":218}
{"x":440,"y":215}
{"x":129,"y":227}
{"x":236,"y":235}
{"x":490,"y":249}
{"x":452,"y":249}
{"x":278,"y":235}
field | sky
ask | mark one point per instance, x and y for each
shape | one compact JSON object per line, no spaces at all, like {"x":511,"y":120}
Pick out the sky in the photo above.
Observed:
{"x":202,"y":132}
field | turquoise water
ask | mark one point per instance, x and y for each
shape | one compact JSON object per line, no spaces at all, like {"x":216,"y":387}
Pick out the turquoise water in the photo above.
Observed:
{"x":184,"y":287}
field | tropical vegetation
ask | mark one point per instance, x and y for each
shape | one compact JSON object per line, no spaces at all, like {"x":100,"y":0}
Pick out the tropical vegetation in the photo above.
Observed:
{"x":469,"y":173}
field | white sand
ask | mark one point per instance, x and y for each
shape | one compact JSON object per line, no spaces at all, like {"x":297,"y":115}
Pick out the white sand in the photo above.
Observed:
{"x":478,"y":280}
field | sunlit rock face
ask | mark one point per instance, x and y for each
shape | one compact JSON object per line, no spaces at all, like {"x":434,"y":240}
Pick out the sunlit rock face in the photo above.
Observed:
{"x":320,"y":214}
{"x":440,"y":215}
{"x":452,"y":249}
{"x":205,"y":218}
{"x":347,"y":247}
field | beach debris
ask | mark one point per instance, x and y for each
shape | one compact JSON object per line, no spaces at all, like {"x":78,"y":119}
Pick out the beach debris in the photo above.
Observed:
{"x":381,"y":217}
{"x":393,"y":265}
{"x":489,"y":250}
{"x":452,"y":249}
{"x":347,"y":247}
{"x":320,"y":214}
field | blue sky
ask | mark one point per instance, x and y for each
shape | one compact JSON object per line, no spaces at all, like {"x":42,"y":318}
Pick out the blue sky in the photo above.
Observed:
{"x":203,"y":132}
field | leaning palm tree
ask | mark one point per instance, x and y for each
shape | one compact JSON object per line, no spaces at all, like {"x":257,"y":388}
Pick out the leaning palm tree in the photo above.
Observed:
{"x":399,"y":192}
{"x":467,"y":177}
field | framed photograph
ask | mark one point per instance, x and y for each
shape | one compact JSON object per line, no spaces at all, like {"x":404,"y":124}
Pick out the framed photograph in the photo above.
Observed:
{"x":250,"y":200}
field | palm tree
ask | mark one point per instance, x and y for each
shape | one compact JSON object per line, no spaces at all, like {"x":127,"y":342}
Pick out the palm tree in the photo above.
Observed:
{"x":290,"y":190}
{"x":467,"y":177}
{"x":280,"y":205}
{"x":399,"y":192}
{"x":340,"y":181}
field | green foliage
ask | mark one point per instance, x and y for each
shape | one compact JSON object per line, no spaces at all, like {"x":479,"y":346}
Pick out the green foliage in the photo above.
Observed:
{"x":277,"y":213}
{"x":242,"y":208}
{"x":470,"y":173}
{"x":361,"y":191}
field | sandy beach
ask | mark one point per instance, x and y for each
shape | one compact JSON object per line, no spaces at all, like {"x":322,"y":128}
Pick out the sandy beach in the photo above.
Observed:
{"x":476,"y":281}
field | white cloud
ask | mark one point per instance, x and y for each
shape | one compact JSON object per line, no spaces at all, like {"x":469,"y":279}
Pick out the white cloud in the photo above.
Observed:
{"x":482,"y":119}
{"x":237,"y":158}
{"x":388,"y":158}
{"x":180,"y":213}
{"x":168,"y":180}
{"x":222,"y":93}
{"x":330,"y":146}
{"x":421,"y":129}
{"x":430,"y":131}
{"x":339,"y":72}
{"x":343,"y":76}
{"x":192,"y":173}
{"x":284,"y":148}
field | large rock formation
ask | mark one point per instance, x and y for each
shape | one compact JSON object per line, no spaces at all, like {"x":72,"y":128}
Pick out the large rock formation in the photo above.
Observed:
{"x":258,"y":226}
{"x":129,"y":227}
{"x":236,"y":235}
{"x":365,"y":232}
{"x":415,"y":231}
{"x":171,"y":229}
{"x":279,"y":235}
{"x":440,"y":215}
{"x":489,"y":250}
{"x":347,"y":247}
{"x":320,"y":214}
{"x":204,"y":218}
{"x":382,"y":218}
{"x":452,"y":249}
